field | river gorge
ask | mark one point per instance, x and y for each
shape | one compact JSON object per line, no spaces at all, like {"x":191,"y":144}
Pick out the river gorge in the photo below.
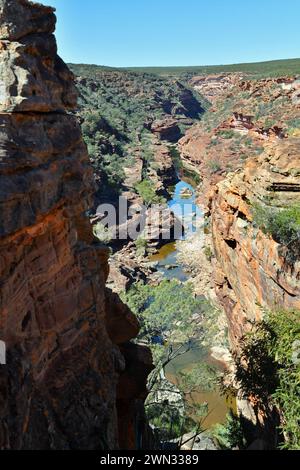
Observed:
{"x":169,"y":263}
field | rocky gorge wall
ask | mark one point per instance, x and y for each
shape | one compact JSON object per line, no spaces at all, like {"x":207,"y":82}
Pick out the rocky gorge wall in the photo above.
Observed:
{"x":245,"y":114}
{"x":247,"y":151}
{"x":72,"y":379}
{"x":251,"y":269}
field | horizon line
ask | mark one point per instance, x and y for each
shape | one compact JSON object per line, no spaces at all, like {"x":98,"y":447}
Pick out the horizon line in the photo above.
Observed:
{"x":185,"y":66}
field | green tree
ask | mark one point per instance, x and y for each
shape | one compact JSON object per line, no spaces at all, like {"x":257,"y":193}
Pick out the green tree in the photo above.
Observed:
{"x":146,"y":190}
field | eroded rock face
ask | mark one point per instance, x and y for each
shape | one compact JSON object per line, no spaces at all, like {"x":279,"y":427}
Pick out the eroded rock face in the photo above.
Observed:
{"x":244,"y":117}
{"x":43,"y":163}
{"x":20,"y":18}
{"x":214,"y":85}
{"x":62,"y":328}
{"x":252,"y":273}
{"x":166,"y":129}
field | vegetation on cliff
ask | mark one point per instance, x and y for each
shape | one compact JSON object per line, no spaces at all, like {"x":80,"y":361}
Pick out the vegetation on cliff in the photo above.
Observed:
{"x":146,"y":189}
{"x":268,"y":370}
{"x":118,"y":109}
{"x":273,"y":109}
{"x":283,"y":225}
{"x":165,"y":310}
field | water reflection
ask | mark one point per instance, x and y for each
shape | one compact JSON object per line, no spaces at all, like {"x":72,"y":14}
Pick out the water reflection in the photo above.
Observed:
{"x":218,"y":405}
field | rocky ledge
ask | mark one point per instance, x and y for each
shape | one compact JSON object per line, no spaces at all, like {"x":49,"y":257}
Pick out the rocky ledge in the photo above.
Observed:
{"x":213,"y":86}
{"x":166,"y":129}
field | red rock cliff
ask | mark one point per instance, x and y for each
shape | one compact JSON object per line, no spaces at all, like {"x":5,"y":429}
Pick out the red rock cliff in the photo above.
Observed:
{"x":246,"y":149}
{"x":71,"y":373}
{"x":252,"y":272}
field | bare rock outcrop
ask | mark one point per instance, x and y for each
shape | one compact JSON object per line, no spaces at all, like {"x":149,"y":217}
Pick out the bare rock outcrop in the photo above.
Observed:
{"x":166,"y":129}
{"x":32,"y":75}
{"x":21,"y":18}
{"x":213,"y":85}
{"x":66,"y":335}
{"x":252,"y":272}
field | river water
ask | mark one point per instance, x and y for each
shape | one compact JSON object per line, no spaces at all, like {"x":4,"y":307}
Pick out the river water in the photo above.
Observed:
{"x":183,"y":204}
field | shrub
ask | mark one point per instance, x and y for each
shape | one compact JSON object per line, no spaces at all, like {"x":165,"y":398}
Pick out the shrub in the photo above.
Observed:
{"x":146,"y":189}
{"x":214,"y":167}
{"x":113,"y":166}
{"x":248,"y":142}
{"x":208,"y":253}
{"x":283,"y":225}
{"x":227,"y":134}
{"x":102,"y":233}
{"x":268,"y":369}
{"x":214,"y":141}
{"x":176,"y":157}
{"x":269,"y":123}
{"x":165,"y":309}
{"x":141,"y":245}
{"x":258,"y":150}
{"x":294,"y":127}
{"x":168,"y":421}
{"x":294,"y":132}
{"x":230,"y":435}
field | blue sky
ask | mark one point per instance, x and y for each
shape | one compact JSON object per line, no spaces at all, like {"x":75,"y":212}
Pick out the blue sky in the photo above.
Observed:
{"x":176,"y":32}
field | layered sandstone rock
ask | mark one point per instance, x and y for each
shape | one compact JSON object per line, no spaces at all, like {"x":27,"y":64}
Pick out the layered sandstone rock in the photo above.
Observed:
{"x":252,"y":273}
{"x":63,"y":330}
{"x":32,"y":75}
{"x":163,"y":172}
{"x":214,"y":85}
{"x":21,"y":18}
{"x":243,"y":118}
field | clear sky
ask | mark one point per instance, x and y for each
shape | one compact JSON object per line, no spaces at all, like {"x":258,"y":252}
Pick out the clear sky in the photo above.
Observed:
{"x":176,"y":32}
